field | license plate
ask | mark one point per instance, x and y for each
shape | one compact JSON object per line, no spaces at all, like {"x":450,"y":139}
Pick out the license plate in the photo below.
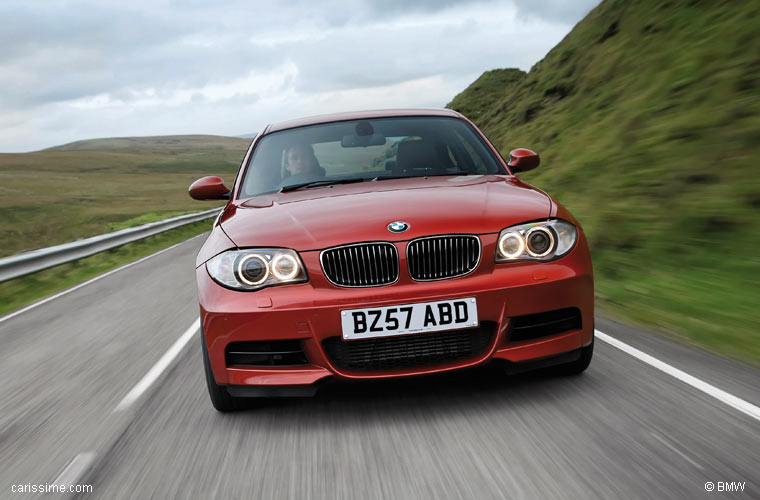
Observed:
{"x":409,"y":318}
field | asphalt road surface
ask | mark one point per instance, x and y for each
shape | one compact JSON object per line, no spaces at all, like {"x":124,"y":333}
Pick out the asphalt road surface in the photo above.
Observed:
{"x":98,"y":390}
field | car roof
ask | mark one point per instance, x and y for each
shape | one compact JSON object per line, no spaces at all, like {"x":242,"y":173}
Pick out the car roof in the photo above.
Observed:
{"x":358,"y":115}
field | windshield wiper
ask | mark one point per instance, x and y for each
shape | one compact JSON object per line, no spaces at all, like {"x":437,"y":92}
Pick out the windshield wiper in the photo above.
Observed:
{"x":384,"y":177}
{"x":459,"y":172}
{"x":329,"y":182}
{"x":324,"y":182}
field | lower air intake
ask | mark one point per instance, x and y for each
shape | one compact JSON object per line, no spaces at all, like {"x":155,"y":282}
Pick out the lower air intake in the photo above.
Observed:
{"x":410,"y":351}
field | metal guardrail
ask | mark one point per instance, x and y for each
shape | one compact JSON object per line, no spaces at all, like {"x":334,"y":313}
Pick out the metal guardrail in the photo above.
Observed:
{"x":37,"y":260}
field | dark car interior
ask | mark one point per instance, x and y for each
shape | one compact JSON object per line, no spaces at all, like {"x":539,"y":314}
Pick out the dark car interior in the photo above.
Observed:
{"x":370,"y":149}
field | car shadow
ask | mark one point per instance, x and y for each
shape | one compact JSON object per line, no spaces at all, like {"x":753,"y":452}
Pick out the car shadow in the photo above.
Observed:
{"x":481,"y":390}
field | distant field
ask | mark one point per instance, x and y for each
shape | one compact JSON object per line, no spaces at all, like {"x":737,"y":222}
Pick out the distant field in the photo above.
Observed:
{"x":95,"y":186}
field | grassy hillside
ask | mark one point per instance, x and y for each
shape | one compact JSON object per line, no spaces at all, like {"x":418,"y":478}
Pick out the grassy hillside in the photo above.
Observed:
{"x":91,"y":187}
{"x":647,"y":119}
{"x":477,"y":101}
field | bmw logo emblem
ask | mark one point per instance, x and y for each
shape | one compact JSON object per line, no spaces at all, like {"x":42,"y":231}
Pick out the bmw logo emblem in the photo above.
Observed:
{"x":398,"y":227}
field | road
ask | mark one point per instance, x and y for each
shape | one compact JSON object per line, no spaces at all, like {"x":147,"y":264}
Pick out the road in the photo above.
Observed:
{"x":623,"y":429}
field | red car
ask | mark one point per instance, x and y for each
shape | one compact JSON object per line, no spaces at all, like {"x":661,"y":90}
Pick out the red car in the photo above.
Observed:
{"x":385,"y":244}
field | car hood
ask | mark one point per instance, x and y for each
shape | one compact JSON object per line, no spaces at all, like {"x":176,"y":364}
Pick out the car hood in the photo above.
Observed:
{"x":321,"y":217}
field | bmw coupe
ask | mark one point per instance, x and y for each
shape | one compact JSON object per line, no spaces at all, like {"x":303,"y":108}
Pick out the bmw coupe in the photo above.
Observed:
{"x":385,"y":244}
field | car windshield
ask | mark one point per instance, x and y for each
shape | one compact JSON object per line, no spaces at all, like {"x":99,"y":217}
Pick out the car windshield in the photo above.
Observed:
{"x":372,"y":149}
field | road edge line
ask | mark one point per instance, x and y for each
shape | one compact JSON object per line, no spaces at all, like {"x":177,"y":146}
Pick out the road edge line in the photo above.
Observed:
{"x":73,"y":472}
{"x":725,"y":397}
{"x":159,"y":368}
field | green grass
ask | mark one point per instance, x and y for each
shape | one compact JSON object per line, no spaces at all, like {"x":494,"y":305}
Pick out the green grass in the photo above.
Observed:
{"x":93,"y":187}
{"x":145,"y":219}
{"x":647,"y":119}
{"x":17,"y":293}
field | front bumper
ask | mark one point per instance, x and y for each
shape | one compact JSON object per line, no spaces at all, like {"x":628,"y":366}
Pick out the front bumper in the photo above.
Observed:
{"x":310,"y":313}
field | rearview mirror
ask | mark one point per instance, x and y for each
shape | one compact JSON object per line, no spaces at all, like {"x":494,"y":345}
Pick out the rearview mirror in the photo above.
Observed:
{"x":362,"y":141}
{"x":209,"y":188}
{"x":522,"y":160}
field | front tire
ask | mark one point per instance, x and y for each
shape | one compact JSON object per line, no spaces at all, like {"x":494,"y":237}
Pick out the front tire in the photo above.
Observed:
{"x":579,"y":365}
{"x":220,"y":398}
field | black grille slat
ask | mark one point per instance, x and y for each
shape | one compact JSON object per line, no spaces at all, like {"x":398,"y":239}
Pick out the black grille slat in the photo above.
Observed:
{"x":381,"y":262}
{"x":533,"y":326}
{"x":409,"y":351}
{"x":355,"y":266}
{"x":367,"y":264}
{"x":455,"y":256}
{"x":376,"y":274}
{"x":333,"y":266}
{"x":439,"y":258}
{"x":361,"y":265}
{"x":442,"y":257}
{"x":349,"y":267}
{"x":362,"y":259}
{"x":461,"y":255}
{"x":359,"y":259}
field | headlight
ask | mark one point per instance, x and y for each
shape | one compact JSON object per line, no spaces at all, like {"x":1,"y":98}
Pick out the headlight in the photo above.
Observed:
{"x":254,"y":269}
{"x":545,"y":240}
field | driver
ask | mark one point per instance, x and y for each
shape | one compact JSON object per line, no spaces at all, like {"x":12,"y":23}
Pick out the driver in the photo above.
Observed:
{"x":301,"y":164}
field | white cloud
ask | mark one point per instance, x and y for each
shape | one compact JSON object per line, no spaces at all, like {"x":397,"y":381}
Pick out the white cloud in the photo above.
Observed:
{"x":70,"y":72}
{"x":253,"y":85}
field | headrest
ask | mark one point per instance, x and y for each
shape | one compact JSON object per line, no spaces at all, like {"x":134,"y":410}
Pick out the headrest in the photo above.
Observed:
{"x":415,"y":155}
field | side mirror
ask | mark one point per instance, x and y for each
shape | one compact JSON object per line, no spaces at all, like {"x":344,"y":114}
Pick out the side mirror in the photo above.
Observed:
{"x":522,"y":160}
{"x":209,"y":188}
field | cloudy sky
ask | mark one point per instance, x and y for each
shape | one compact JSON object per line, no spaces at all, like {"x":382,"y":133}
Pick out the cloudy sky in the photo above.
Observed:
{"x":75,"y":70}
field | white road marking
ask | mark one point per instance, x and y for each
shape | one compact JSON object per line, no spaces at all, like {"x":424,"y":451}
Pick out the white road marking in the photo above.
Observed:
{"x":676,"y":450}
{"x":719,"y":394}
{"x":75,"y":469}
{"x":96,"y":278}
{"x":157,"y":369}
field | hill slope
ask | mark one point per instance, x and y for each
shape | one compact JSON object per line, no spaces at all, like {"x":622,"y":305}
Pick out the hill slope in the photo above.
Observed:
{"x":476,"y":102}
{"x":647,"y":119}
{"x":159,"y":143}
{"x":92,"y":187}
